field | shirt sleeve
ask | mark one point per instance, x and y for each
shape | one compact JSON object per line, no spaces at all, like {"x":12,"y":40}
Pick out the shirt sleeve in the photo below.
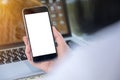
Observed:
{"x":98,"y":61}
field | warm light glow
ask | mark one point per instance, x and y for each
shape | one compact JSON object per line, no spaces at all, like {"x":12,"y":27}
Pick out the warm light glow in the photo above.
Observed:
{"x":11,"y":20}
{"x":4,"y":1}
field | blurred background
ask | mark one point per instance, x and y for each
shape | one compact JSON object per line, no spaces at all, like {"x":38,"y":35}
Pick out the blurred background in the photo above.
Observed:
{"x":72,"y":7}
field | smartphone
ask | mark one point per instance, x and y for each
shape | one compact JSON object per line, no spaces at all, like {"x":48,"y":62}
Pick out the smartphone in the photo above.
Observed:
{"x":40,"y":35}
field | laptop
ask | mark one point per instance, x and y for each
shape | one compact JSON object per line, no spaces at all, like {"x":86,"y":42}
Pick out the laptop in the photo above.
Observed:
{"x":13,"y":62}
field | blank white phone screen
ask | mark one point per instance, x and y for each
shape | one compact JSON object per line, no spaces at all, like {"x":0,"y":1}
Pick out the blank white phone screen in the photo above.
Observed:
{"x":40,"y":35}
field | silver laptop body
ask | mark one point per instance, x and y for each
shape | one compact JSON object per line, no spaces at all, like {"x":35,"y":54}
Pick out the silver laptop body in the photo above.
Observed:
{"x":13,"y":61}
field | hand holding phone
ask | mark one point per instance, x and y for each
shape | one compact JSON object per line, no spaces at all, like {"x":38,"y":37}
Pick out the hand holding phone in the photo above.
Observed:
{"x":39,"y":32}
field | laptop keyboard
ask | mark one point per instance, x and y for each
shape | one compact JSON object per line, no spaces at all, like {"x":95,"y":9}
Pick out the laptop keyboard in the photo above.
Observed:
{"x":12,"y":55}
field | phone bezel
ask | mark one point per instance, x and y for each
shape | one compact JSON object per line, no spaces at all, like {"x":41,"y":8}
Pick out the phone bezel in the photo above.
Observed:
{"x":33,"y":10}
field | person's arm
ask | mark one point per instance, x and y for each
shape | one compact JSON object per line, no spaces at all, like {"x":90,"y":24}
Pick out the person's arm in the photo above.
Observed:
{"x":62,"y":48}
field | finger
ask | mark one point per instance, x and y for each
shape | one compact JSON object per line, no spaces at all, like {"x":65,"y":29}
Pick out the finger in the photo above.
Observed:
{"x":25,"y":40}
{"x":56,"y":33}
{"x":27,"y":51}
{"x":58,"y":37}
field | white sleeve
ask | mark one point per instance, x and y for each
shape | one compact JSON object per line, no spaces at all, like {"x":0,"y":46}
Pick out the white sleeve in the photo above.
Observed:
{"x":99,"y":61}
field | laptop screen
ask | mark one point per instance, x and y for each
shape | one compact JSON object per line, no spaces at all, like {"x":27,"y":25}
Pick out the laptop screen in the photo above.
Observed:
{"x":59,"y":16}
{"x":13,"y":30}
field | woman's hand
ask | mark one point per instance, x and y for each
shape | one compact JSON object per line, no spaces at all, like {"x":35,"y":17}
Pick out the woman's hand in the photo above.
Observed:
{"x":62,"y":48}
